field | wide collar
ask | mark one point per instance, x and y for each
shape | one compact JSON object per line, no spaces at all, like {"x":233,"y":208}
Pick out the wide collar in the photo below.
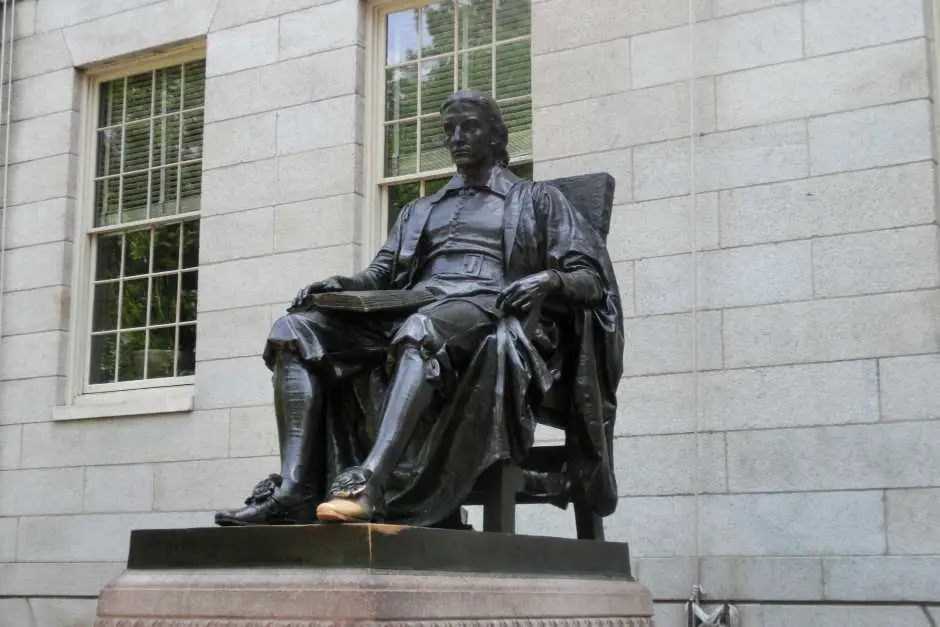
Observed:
{"x":500,"y":182}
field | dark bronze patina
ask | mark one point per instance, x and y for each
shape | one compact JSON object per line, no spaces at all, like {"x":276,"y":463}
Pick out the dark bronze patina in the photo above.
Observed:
{"x":393,"y":415}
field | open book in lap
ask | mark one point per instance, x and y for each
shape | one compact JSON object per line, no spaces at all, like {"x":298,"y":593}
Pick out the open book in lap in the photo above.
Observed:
{"x":369,"y":301}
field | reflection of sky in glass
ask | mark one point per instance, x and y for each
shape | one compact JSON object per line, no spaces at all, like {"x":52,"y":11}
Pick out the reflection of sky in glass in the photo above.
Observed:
{"x":402,"y":36}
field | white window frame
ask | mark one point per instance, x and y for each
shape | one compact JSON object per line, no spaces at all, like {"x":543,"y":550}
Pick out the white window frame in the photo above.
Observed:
{"x":376,"y":198}
{"x":145,"y":396}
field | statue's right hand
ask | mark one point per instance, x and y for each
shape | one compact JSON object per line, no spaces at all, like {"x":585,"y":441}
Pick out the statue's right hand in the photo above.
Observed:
{"x":331,"y":284}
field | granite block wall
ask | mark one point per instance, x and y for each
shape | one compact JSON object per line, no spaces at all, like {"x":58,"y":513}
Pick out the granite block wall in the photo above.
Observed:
{"x":808,"y":125}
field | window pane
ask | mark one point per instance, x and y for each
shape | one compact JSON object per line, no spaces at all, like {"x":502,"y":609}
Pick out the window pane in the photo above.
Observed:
{"x":434,"y":153}
{"x":402,"y":37}
{"x":106,"y":201}
{"x":189,"y":291}
{"x":523,"y":171}
{"x":513,"y":18}
{"x":401,"y":97}
{"x":108,"y":253}
{"x":194,"y":84}
{"x":476,"y":70}
{"x":139,"y":96}
{"x":401,"y":153}
{"x":186,"y":356}
{"x":190,"y":187}
{"x":134,"y":304}
{"x":105,"y":314}
{"x":163,"y":299}
{"x":164,"y":186}
{"x":398,"y":197}
{"x":513,"y":70}
{"x":169,"y":89}
{"x":111,"y":105}
{"x":437,"y":22}
{"x":109,"y":151}
{"x":132,"y":352}
{"x":134,"y":197}
{"x":101,"y":368}
{"x":476,"y":23}
{"x":191,"y":147}
{"x":137,"y":253}
{"x":137,"y":146}
{"x":437,"y":82}
{"x":518,"y":118}
{"x":166,"y":248}
{"x":434,"y":185}
{"x":166,"y":140}
{"x":191,"y":244}
{"x":162,"y":353}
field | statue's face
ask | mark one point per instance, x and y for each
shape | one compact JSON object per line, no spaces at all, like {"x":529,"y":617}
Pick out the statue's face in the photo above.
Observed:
{"x":468,"y":135}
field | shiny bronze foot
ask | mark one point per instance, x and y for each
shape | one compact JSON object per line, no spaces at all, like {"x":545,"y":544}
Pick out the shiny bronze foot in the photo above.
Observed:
{"x":270,"y":512}
{"x":352,"y":499}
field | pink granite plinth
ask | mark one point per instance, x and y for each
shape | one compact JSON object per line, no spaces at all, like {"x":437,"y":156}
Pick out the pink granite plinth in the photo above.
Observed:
{"x":302,"y":597}
{"x":317,"y":575}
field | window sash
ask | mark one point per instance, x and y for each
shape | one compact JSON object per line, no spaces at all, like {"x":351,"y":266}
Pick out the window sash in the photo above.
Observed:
{"x":82,"y":341}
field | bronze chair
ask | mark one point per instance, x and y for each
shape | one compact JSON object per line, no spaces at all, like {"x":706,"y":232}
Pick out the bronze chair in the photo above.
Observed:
{"x":504,"y":485}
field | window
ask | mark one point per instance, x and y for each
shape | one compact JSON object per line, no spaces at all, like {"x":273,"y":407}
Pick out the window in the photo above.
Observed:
{"x":143,"y":227}
{"x":430,"y":51}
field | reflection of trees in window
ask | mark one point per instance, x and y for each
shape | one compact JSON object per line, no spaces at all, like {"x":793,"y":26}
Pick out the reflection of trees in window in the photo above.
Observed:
{"x":462,"y":44}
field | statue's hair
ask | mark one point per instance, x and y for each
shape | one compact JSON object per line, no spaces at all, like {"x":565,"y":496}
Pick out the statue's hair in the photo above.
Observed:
{"x":494,"y":117}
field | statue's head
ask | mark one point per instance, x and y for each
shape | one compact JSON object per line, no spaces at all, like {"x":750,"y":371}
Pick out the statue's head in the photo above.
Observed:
{"x":474,"y":129}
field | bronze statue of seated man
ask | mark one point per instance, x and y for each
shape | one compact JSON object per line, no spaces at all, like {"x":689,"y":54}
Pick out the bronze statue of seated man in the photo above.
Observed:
{"x":393,"y":416}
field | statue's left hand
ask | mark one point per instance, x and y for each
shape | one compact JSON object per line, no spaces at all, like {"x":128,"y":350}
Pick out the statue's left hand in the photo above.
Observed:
{"x":522,"y":294}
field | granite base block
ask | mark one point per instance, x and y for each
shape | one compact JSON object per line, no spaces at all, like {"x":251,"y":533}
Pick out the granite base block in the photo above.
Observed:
{"x":384,"y":583}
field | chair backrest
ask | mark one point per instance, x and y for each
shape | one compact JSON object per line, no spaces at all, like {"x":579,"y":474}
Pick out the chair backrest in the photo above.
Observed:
{"x":592,"y":195}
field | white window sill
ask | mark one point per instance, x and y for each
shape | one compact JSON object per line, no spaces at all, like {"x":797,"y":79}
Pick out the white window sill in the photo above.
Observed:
{"x":167,"y":400}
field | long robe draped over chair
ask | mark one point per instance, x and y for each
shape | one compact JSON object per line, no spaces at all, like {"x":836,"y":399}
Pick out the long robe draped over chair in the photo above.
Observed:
{"x":487,"y":413}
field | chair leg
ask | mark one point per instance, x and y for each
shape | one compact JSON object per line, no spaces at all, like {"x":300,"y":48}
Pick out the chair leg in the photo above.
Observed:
{"x":590,"y":526}
{"x":499,"y":507}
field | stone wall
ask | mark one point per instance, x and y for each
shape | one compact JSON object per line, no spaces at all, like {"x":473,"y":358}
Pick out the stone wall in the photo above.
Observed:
{"x":816,"y":323}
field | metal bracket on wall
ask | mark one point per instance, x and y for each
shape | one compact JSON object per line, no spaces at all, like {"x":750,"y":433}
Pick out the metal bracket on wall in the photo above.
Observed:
{"x":727,"y":615}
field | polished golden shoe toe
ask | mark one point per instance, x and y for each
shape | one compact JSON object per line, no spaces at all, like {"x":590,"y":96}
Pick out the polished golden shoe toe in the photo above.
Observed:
{"x":355,"y":509}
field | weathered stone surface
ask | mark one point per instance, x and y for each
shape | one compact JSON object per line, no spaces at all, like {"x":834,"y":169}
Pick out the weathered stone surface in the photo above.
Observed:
{"x":830,"y":615}
{"x":726,"y":278}
{"x":880,"y":578}
{"x":44,"y":136}
{"x":907,"y":388}
{"x":253,"y":432}
{"x":316,"y":223}
{"x":722,"y":46}
{"x":870,"y":138}
{"x":770,"y":578}
{"x":198,"y":435}
{"x":156,"y":24}
{"x":40,"y":222}
{"x":856,"y":457}
{"x":663,"y":227}
{"x":618,"y":163}
{"x":242,"y":47}
{"x":239,"y":140}
{"x":812,"y":523}
{"x":661,"y":526}
{"x":221,"y":483}
{"x":327,"y":26}
{"x":10,"y":442}
{"x":833,"y":25}
{"x":823,"y":85}
{"x":238,"y":187}
{"x":216,"y":386}
{"x":35,"y":311}
{"x":66,"y":579}
{"x":832,"y":330}
{"x":42,"y":179}
{"x":321,"y":124}
{"x":91,"y":537}
{"x":45,"y":491}
{"x":829,"y":205}
{"x":32,"y":355}
{"x":647,"y":465}
{"x":238,"y":332}
{"x":18,"y":402}
{"x":588,"y":72}
{"x":44,"y":265}
{"x":275,"y":86}
{"x":236,"y":235}
{"x":620,"y":120}
{"x":912,"y":521}
{"x":660,"y":344}
{"x":749,"y":156}
{"x":43,"y":94}
{"x":124,"y":488}
{"x":883,"y":261}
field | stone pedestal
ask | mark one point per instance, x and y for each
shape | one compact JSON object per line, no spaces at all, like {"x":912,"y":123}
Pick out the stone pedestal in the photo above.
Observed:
{"x":370,"y":575}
